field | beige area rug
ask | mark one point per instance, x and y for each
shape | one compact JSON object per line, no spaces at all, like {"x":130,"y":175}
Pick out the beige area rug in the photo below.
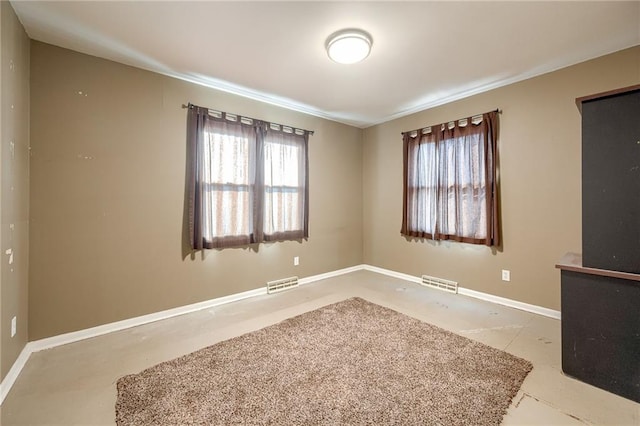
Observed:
{"x":352,"y":362}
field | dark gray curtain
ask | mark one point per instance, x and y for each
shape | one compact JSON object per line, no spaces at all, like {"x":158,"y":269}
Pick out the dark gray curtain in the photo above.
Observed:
{"x":247,"y":181}
{"x":196,"y":118}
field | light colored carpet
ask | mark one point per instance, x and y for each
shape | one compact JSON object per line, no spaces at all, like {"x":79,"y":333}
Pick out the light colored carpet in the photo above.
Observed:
{"x":352,"y":362}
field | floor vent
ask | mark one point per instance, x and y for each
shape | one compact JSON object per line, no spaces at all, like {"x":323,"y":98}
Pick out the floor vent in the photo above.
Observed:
{"x":281,"y":285}
{"x":440,"y":283}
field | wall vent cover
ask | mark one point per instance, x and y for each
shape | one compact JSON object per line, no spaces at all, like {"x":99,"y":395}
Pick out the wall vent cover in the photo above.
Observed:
{"x":281,"y":285}
{"x":440,"y":284}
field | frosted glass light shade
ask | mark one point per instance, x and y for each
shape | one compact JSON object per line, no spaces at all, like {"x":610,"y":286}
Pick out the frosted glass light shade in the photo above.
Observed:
{"x":349,"y":46}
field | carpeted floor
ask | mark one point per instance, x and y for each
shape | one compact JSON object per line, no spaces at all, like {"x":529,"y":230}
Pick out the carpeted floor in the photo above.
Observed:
{"x":352,"y":362}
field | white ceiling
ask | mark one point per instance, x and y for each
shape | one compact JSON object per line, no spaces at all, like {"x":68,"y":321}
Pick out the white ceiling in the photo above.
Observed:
{"x":424,"y":53}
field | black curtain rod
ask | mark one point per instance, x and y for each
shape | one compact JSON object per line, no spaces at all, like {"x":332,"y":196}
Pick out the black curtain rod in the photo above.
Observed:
{"x":498,"y":110}
{"x":311,"y":132}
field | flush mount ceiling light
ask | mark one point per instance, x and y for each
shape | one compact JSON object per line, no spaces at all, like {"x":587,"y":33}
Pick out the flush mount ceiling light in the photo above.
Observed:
{"x":349,"y":46}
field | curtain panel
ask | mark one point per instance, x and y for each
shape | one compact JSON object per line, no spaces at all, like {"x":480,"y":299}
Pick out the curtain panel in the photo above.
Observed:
{"x":247,"y":181}
{"x":286,"y":185}
{"x":450,"y":181}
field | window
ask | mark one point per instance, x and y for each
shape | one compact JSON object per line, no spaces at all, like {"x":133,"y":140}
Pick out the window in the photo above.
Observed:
{"x":228,"y":185}
{"x":248,"y":181}
{"x":284,"y":185}
{"x":449,"y":184}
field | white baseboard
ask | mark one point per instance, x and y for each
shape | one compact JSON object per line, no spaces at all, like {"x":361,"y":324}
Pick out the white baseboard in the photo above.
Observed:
{"x":540,"y":310}
{"x":395,"y":274}
{"x":475,"y":294}
{"x":87,"y":333}
{"x":314,"y":278}
{"x":12,"y":375}
{"x":75,"y":336}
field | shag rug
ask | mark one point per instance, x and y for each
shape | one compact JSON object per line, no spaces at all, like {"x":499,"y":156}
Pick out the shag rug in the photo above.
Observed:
{"x":352,"y":362}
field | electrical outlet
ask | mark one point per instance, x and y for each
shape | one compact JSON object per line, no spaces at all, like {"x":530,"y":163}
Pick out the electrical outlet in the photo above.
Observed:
{"x":14,"y":327}
{"x":506,"y":275}
{"x":296,"y":261}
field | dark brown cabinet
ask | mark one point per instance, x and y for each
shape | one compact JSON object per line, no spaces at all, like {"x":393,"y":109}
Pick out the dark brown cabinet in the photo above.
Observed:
{"x":601,"y":288}
{"x":611,"y":182}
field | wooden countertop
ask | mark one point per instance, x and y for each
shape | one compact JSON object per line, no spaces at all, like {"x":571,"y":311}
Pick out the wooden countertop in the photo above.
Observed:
{"x":573,"y":262}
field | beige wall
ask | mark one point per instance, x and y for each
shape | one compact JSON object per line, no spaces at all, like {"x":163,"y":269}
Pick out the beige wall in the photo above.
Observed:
{"x":107,"y":194}
{"x":108,"y":152}
{"x":539,"y":162}
{"x":14,"y":191}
